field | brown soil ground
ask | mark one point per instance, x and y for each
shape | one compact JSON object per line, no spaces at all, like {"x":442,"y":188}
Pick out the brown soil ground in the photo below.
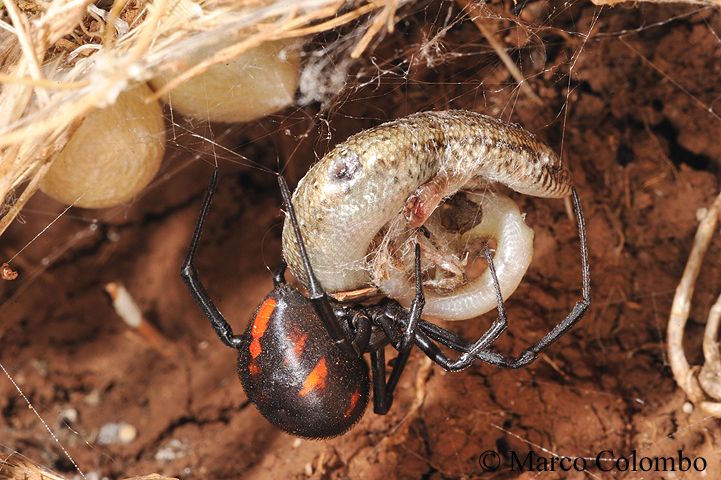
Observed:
{"x":644,"y":148}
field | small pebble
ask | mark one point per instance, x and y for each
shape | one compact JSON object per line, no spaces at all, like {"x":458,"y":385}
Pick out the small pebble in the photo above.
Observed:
{"x":170,"y":451}
{"x":687,"y":408}
{"x":127,"y":433}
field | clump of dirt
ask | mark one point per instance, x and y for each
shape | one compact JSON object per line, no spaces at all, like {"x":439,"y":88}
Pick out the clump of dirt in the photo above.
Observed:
{"x":635,"y":121}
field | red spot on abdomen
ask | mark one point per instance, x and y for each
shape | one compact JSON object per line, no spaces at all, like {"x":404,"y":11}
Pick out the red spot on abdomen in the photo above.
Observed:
{"x":299,"y":343}
{"x":353,"y":403}
{"x":260,"y":325}
{"x":315,"y":379}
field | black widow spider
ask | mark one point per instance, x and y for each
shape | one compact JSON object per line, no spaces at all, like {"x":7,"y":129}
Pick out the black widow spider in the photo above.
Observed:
{"x":301,"y":358}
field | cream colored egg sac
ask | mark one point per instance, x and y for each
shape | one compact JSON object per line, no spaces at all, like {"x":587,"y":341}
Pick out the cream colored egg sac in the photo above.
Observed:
{"x":259,"y":82}
{"x":112,"y":156}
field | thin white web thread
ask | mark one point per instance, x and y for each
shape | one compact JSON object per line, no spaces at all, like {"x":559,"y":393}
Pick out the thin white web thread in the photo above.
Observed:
{"x":44,"y":229}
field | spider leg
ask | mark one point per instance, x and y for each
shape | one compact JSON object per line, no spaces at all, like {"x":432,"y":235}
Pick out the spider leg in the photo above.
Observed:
{"x":279,"y":276}
{"x":471,"y":352}
{"x":416,"y":308}
{"x":362,"y":329}
{"x":383,"y":388}
{"x":318,"y":297}
{"x":189,"y":274}
{"x":446,"y":337}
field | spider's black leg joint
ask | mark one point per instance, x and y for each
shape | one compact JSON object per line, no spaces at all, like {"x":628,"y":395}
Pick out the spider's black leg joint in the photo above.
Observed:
{"x":416,"y":307}
{"x":399,"y":364}
{"x":437,"y":355}
{"x":279,"y":276}
{"x":451,"y":340}
{"x":318,"y":297}
{"x":446,"y":337}
{"x":362,"y":330}
{"x":383,"y":389}
{"x":190,"y":275}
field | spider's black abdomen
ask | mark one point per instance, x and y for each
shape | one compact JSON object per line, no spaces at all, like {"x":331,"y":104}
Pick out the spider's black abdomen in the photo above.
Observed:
{"x":298,"y":378}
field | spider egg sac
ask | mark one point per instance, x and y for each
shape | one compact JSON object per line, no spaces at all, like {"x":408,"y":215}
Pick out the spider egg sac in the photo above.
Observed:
{"x":260,"y":81}
{"x":115,"y":152}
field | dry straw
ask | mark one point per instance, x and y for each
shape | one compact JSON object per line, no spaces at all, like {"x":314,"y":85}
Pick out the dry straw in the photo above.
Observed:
{"x":61,"y":59}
